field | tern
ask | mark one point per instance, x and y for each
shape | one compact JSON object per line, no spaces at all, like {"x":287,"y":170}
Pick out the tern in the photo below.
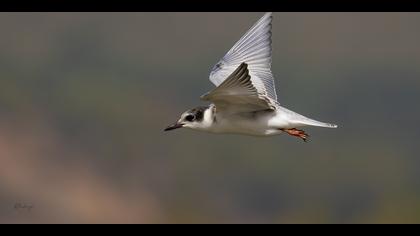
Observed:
{"x":245,"y":100}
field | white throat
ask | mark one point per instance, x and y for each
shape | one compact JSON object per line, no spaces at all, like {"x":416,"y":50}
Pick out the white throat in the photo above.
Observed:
{"x":208,"y":118}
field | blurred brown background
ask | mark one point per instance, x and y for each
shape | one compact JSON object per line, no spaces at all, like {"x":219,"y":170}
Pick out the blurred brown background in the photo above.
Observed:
{"x":84,"y":98}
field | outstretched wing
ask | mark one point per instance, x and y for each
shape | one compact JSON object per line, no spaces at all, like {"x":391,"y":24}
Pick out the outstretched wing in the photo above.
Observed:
{"x":238,"y":94}
{"x":254,"y":49}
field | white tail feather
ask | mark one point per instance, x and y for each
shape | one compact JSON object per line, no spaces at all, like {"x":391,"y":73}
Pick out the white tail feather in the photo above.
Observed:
{"x":311,"y":122}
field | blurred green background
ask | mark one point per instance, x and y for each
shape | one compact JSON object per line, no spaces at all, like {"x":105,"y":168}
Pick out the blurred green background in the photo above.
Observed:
{"x":84,"y":98}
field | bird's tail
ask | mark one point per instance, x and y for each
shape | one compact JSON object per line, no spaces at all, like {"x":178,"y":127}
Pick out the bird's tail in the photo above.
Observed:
{"x":301,"y":120}
{"x":312,"y":122}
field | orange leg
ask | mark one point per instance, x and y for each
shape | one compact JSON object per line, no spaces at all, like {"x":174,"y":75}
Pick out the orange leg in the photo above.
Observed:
{"x":297,"y":133}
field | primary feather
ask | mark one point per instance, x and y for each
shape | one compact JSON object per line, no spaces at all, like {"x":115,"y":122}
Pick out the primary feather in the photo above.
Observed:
{"x":254,"y":49}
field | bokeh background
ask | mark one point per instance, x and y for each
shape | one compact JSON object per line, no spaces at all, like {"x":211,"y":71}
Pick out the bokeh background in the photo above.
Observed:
{"x":84,"y":98}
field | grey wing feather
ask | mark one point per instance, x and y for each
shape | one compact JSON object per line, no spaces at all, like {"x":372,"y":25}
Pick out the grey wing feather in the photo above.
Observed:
{"x":254,"y":48}
{"x":238,"y":93}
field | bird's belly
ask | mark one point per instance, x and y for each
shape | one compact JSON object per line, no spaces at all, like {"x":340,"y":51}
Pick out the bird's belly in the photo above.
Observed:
{"x":257,"y":125}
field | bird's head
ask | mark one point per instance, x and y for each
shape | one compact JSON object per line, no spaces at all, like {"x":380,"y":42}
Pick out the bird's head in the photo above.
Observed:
{"x":194,"y":119}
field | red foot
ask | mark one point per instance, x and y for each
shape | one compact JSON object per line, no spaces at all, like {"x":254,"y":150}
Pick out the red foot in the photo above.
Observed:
{"x":297,"y":133}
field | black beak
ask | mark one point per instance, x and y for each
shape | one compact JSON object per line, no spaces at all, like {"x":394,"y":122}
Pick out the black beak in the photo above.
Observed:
{"x":174,"y":126}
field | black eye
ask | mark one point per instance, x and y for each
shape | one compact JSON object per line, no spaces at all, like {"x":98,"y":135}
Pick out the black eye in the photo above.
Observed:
{"x":190,"y":118}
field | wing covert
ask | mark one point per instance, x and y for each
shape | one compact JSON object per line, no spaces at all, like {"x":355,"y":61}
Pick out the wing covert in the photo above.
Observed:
{"x":238,"y":94}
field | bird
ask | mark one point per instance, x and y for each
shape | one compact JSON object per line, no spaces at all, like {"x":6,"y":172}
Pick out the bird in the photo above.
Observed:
{"x":244,"y":101}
